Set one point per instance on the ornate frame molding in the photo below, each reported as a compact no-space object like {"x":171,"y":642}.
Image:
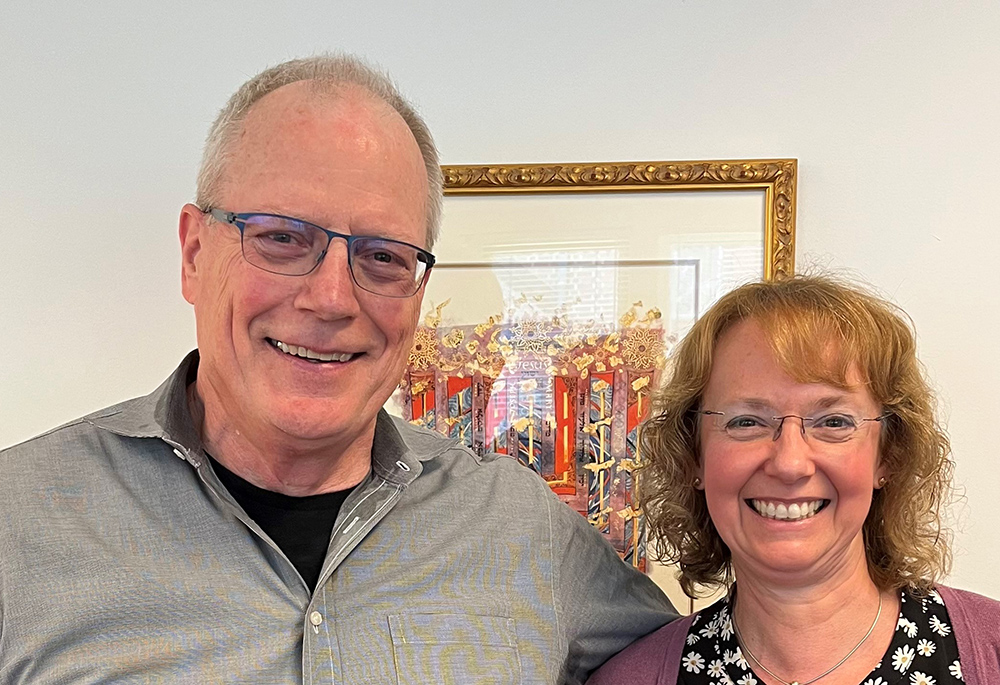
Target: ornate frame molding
{"x":776,"y":177}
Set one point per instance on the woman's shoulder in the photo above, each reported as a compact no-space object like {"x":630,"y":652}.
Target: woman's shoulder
{"x":966,"y":600}
{"x":975,"y":619}
{"x":971,"y":612}
{"x":642,"y":662}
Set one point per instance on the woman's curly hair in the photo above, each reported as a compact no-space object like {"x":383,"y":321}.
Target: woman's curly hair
{"x":904,"y":541}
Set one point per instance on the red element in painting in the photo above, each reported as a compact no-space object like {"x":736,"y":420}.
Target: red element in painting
{"x":565,"y":401}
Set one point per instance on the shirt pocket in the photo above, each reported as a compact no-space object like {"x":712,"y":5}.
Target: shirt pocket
{"x":467,"y":649}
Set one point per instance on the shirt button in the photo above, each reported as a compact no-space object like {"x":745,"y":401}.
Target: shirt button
{"x":316,"y":618}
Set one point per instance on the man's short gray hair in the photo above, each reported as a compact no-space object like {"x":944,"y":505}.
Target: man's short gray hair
{"x":326,"y":70}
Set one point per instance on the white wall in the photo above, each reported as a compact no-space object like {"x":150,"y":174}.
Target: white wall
{"x":892,"y":109}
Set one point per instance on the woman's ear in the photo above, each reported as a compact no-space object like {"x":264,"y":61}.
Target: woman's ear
{"x":699,"y":478}
{"x":880,"y":478}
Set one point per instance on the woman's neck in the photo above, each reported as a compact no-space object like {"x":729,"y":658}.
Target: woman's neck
{"x":800,"y":631}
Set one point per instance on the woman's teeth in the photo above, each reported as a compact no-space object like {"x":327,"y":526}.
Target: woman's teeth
{"x":791,"y":512}
{"x":306,"y":353}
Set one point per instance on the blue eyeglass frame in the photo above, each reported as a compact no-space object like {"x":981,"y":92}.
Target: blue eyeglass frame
{"x":239,"y":221}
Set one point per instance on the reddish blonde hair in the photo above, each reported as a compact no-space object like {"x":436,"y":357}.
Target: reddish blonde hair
{"x":904,"y":540}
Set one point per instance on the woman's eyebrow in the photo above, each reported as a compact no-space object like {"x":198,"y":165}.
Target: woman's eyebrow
{"x":760,"y":404}
{"x":831,"y":400}
{"x":752,"y":403}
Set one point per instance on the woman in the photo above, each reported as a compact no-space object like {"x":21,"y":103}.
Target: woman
{"x":795,"y":450}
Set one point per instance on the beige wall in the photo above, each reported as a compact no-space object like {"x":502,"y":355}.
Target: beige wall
{"x":891,"y":108}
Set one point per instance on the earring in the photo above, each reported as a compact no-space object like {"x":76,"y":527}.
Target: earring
{"x":697,"y":483}
{"x":882,"y":481}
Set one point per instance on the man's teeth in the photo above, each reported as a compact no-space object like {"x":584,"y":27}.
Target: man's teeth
{"x":306,"y":353}
{"x":791,"y":512}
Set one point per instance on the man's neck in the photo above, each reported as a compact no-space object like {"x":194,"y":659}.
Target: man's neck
{"x":278,"y":462}
{"x":800,"y":631}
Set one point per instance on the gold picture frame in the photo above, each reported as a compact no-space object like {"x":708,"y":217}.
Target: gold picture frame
{"x":535,"y":340}
{"x":777,"y":178}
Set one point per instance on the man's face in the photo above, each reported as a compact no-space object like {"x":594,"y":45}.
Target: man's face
{"x":347,"y":163}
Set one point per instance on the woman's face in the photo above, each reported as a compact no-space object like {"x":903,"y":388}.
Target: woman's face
{"x":790,"y":509}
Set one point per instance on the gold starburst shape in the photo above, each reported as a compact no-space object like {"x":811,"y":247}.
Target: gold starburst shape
{"x":424,"y":352}
{"x":641,"y":347}
{"x":530,"y":336}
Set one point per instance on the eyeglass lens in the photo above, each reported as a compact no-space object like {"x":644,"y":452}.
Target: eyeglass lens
{"x":830,"y":428}
{"x":286,"y":246}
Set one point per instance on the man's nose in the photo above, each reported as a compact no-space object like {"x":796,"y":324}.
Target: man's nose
{"x":792,"y":453}
{"x":329,"y":290}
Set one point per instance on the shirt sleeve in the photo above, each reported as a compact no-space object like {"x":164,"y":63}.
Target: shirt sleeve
{"x":602,"y":604}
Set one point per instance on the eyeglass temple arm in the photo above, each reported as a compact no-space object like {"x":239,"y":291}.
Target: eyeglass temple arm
{"x":219,"y":215}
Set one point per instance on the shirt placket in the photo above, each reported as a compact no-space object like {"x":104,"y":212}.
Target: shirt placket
{"x":361,"y":513}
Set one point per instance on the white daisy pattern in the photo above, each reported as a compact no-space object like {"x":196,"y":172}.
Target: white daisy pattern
{"x":726,"y":628}
{"x":923,"y":650}
{"x":907,"y":626}
{"x":693,"y":662}
{"x":926,"y":648}
{"x":956,"y":670}
{"x":711,"y":630}
{"x":902,"y":659}
{"x":939,"y":626}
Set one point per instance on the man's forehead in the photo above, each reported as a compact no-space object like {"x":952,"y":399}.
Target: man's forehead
{"x":329,"y":158}
{"x":305,"y":102}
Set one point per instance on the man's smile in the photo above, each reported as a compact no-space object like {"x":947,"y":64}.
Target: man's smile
{"x":311,"y":355}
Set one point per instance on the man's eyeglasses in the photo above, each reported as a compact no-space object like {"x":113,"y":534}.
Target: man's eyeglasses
{"x":831,"y":428}
{"x":293,"y":247}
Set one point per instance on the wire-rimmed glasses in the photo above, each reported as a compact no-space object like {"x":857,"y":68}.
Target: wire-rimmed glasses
{"x":833,"y":427}
{"x":293,"y":247}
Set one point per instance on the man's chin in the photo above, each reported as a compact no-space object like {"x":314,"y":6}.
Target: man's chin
{"x":323,"y":423}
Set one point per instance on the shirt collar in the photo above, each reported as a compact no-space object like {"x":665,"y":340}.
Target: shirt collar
{"x":161,"y":414}
{"x":398,"y":449}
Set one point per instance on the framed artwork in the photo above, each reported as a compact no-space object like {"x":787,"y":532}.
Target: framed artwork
{"x":558,"y":293}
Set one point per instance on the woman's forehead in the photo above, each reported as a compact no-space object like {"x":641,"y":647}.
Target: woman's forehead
{"x":753,"y":365}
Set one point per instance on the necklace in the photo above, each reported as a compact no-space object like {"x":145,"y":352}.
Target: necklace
{"x":743,"y":646}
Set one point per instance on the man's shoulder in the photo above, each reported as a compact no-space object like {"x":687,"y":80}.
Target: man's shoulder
{"x":431,"y":446}
{"x":64,"y":442}
{"x":451,"y":470}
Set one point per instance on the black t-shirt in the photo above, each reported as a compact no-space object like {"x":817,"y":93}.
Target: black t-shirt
{"x":300,"y":526}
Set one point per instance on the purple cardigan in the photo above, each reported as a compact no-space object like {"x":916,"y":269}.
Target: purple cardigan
{"x":656,"y":658}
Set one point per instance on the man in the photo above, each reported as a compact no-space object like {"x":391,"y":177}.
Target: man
{"x":258,"y":518}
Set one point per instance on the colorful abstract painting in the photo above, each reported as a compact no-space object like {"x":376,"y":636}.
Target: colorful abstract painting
{"x":564,"y":399}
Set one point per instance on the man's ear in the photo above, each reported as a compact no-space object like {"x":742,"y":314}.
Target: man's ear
{"x":191,"y":225}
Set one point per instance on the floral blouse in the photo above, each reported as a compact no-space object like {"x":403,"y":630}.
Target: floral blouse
{"x":923,"y":650}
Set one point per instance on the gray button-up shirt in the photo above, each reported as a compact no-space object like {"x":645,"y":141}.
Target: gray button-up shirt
{"x":124,"y":559}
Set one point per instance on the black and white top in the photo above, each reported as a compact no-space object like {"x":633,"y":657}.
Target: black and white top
{"x":923,"y":650}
